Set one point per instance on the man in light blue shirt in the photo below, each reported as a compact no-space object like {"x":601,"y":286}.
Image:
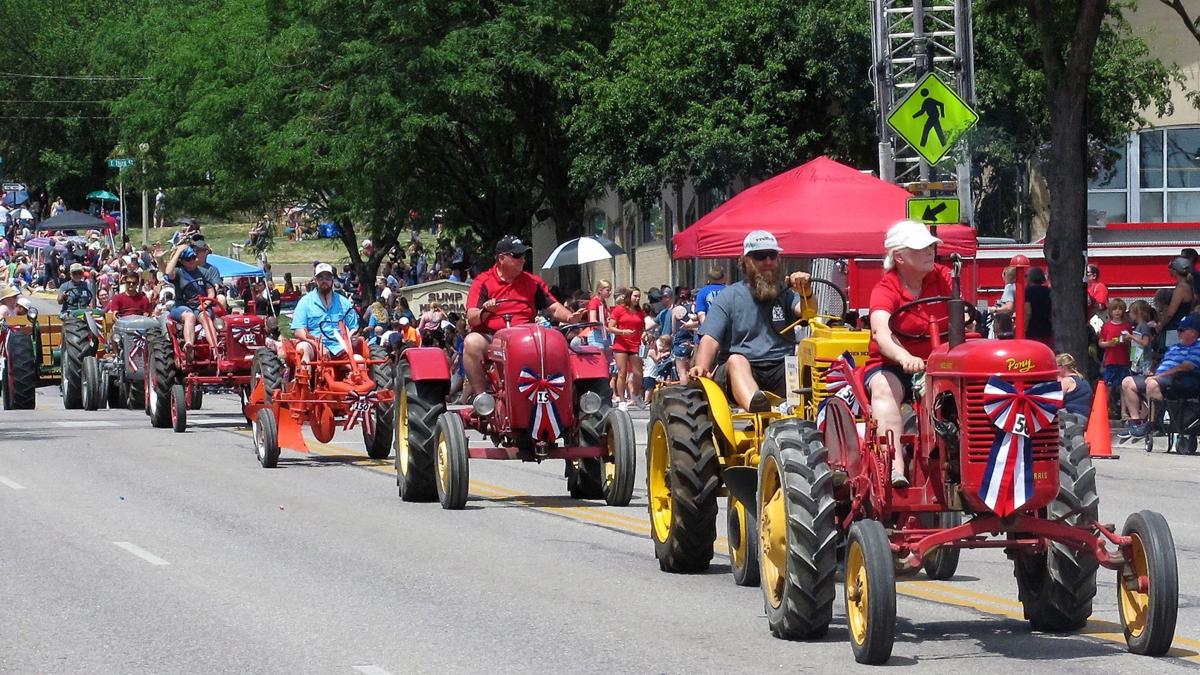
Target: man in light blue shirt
{"x":318,"y":312}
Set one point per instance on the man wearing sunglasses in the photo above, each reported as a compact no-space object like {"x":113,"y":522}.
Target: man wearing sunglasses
{"x":505,"y":295}
{"x":746,"y":326}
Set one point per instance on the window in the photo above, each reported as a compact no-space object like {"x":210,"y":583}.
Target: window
{"x":597,"y":224}
{"x":1108,"y":192}
{"x":652,"y":225}
{"x":1169,"y":175}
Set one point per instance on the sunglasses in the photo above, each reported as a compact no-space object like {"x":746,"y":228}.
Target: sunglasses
{"x":518,"y":256}
{"x":764,"y":255}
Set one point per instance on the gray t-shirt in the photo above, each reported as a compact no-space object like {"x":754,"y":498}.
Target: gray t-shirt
{"x":211,"y":275}
{"x":82,"y":299}
{"x":742,"y":325}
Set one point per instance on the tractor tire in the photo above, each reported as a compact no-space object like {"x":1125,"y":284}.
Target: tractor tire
{"x":1149,"y":618}
{"x":451,"y":462}
{"x":267,"y":367}
{"x":265,"y":432}
{"x":942,"y":563}
{"x":20,"y":372}
{"x":870,"y":592}
{"x":161,"y":372}
{"x":418,"y":407}
{"x":683,"y":480}
{"x":179,"y":408}
{"x":585,"y":479}
{"x":76,"y":344}
{"x":1056,"y":587}
{"x":743,"y":535}
{"x":379,"y":443}
{"x":619,"y":469}
{"x":90,"y":384}
{"x":115,"y":393}
{"x":195,"y":397}
{"x":135,"y":394}
{"x":798,"y":533}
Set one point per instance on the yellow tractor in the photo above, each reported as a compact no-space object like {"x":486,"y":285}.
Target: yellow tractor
{"x":700,"y":448}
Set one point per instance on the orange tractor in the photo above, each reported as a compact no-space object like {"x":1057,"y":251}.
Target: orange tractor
{"x":993,"y":463}
{"x":352,"y":388}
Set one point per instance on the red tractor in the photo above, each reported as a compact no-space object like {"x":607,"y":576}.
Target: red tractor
{"x":346,"y":390}
{"x":546,"y":400}
{"x":993,"y":463}
{"x":221,"y":360}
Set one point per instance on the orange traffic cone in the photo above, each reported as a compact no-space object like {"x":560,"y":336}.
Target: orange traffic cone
{"x":1099,"y":432}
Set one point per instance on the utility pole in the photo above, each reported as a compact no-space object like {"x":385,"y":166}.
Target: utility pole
{"x":910,"y":38}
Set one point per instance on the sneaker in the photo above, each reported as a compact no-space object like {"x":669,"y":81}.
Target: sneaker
{"x":899,"y":479}
{"x":1123,"y":434}
{"x":1137,"y":430}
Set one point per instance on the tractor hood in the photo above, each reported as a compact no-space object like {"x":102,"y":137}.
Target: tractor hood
{"x":537,"y":373}
{"x":994,"y":357}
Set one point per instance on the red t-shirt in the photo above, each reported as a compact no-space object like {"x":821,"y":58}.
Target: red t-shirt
{"x":889,"y":294}
{"x":1118,"y":354}
{"x":597,"y":305}
{"x":1097,"y":296}
{"x":628,"y":319}
{"x":122,"y":304}
{"x":525,"y":287}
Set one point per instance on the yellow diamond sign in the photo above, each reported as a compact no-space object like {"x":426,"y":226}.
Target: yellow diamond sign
{"x":932,"y":118}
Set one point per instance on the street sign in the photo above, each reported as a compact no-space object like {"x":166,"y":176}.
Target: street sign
{"x":13,"y":187}
{"x":120,"y":163}
{"x":934,"y":210}
{"x":932,"y":118}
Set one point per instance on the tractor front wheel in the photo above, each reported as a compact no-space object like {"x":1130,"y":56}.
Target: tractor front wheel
{"x":942,"y":563}
{"x":1056,"y":586}
{"x":743,"y":543}
{"x":90,"y":384}
{"x":179,"y":408}
{"x":379,"y":441}
{"x":265,"y":431}
{"x":418,"y":406}
{"x":682,"y":479}
{"x":161,"y":375}
{"x":797,"y":531}
{"x":1148,"y":585}
{"x":870,"y":592}
{"x":451,"y":461}
{"x":620,"y":465}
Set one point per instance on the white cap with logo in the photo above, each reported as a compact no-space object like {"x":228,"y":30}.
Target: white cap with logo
{"x":323,"y":267}
{"x":760,"y":240}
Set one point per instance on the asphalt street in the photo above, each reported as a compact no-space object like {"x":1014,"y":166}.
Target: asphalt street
{"x":131,"y":549}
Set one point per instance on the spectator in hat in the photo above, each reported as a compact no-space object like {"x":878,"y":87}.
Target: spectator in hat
{"x":194,"y":293}
{"x":1178,"y":373}
{"x":8,"y":301}
{"x":77,"y":292}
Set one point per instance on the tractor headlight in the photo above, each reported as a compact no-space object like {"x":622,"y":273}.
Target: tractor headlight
{"x":33,"y":313}
{"x":484,"y":405}
{"x":589,"y":403}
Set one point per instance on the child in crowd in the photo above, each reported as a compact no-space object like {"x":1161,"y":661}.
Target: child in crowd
{"x":1141,"y":341}
{"x":1115,"y":339}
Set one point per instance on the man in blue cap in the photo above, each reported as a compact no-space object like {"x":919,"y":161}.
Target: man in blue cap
{"x":193,"y":292}
{"x":1179,"y":372}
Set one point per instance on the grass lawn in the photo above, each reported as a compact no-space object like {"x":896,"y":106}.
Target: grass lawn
{"x":219,"y":237}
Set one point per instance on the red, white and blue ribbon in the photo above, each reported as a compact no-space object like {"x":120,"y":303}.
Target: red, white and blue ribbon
{"x":1017,"y":414}
{"x":837,"y":383}
{"x":543,"y":392}
{"x":137,"y":351}
{"x":362,"y":409}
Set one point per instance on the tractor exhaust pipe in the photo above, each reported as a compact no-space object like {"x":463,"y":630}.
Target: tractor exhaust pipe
{"x":956,"y":307}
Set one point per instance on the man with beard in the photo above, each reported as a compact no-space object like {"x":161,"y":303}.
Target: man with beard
{"x":746,"y":322}
{"x":317,"y":315}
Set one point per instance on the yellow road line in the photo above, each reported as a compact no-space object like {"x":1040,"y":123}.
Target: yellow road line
{"x":942,"y":593}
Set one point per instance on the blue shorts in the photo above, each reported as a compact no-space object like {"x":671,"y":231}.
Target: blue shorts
{"x":1113,"y":375}
{"x":178,"y":311}
{"x":895,"y":369}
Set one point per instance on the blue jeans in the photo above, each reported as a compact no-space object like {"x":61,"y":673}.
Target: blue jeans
{"x":1113,"y":375}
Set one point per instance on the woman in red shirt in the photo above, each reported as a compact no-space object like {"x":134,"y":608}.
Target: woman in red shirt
{"x":597,"y":310}
{"x":627,"y":322}
{"x":911,"y":274}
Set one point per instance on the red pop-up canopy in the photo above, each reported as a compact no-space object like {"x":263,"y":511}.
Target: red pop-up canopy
{"x":821,"y":209}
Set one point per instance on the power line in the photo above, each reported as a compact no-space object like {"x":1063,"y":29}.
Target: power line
{"x":58,"y":101}
{"x":57,"y":117}
{"x":101,"y":78}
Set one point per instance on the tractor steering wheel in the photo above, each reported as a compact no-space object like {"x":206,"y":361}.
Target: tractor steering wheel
{"x":71,"y":294}
{"x":972,"y":315}
{"x":831,"y":319}
{"x":569,"y":327}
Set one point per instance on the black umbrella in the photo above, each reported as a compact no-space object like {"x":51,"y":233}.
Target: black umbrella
{"x":72,"y":220}
{"x":186,"y":222}
{"x":582,"y":250}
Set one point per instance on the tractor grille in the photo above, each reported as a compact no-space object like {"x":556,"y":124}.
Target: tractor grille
{"x":978,"y":432}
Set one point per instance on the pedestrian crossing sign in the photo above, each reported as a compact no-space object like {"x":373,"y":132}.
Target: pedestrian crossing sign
{"x":932,"y":118}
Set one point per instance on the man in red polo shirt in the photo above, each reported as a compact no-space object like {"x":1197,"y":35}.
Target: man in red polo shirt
{"x":505,"y":295}
{"x":133,"y":302}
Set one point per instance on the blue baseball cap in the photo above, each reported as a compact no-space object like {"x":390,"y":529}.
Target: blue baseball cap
{"x":1189,"y":322}
{"x":189,"y":253}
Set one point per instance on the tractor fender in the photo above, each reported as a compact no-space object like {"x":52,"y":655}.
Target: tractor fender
{"x":589,"y":364}
{"x":718,"y":409}
{"x":428,"y":363}
{"x":742,"y":482}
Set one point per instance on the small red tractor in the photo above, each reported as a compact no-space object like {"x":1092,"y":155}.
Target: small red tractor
{"x":348,"y":389}
{"x":993,"y":463}
{"x":546,"y":400}
{"x":221,"y":360}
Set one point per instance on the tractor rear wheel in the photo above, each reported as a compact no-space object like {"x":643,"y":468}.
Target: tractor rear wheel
{"x":1149,"y":608}
{"x":265,"y":432}
{"x":418,"y":406}
{"x":268,"y":368}
{"x":797,"y":531}
{"x":942,"y":563}
{"x":379,"y":443}
{"x":179,"y":408}
{"x":743,"y":543}
{"x":453,"y":472}
{"x":1056,"y":587}
{"x":76,"y":344}
{"x":20,"y":372}
{"x":161,"y":372}
{"x":90,"y":384}
{"x":585,"y":478}
{"x":870,"y":592}
{"x":682,"y":477}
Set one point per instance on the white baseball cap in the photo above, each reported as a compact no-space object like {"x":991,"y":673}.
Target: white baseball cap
{"x":909,"y":234}
{"x":366,"y":243}
{"x":323,"y":267}
{"x":760,"y":240}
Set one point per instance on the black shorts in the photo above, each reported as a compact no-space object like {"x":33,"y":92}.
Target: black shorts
{"x":769,"y":375}
{"x":895,"y":369}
